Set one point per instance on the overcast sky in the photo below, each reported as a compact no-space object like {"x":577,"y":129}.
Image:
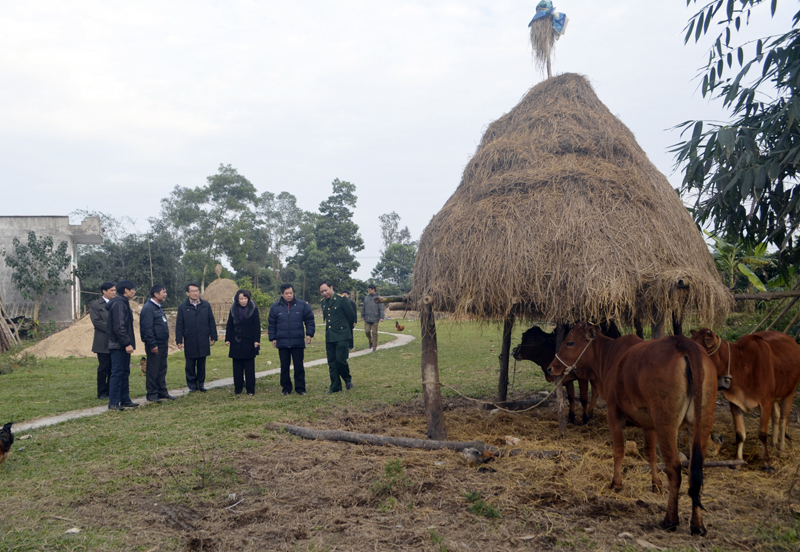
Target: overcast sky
{"x":107,"y":105}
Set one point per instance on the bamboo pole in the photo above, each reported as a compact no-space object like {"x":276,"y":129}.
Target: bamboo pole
{"x":784,"y":311}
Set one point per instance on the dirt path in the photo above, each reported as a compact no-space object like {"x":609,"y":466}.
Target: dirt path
{"x":399,"y":341}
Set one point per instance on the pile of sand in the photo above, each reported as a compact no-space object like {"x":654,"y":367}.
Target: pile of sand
{"x":220,"y":291}
{"x":76,"y":341}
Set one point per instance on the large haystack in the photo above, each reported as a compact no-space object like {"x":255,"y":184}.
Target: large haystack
{"x":561,"y":216}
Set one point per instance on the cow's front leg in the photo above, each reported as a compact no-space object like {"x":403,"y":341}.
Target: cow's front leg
{"x":739,"y":429}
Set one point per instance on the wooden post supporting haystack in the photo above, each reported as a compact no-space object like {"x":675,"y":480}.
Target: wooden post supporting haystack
{"x":505,"y":354}
{"x":562,"y":414}
{"x":434,"y":409}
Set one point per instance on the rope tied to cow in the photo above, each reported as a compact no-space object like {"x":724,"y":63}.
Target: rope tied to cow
{"x":719,"y":344}
{"x":575,"y":364}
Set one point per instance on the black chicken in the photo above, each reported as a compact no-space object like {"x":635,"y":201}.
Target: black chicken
{"x":6,"y":440}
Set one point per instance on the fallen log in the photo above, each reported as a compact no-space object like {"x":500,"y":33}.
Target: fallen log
{"x":523,"y":404}
{"x":378,"y":440}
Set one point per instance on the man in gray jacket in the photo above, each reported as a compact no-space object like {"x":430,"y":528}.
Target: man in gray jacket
{"x":99,"y":316}
{"x":372,"y":314}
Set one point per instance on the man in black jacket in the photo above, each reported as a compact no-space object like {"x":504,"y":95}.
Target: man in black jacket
{"x":195,"y":334}
{"x":121,"y":344}
{"x":155,"y":334}
{"x":287,"y":319}
{"x":99,"y":317}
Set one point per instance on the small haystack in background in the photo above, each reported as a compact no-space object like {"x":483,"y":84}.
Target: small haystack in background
{"x":220,"y":294}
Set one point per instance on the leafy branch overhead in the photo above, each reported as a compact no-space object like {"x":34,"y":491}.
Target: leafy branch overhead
{"x":742,"y":175}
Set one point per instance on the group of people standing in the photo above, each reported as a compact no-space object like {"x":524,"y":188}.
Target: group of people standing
{"x":114,"y":341}
{"x":290,"y":328}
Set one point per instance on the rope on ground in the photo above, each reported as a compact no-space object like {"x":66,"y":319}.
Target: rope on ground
{"x":537,"y":405}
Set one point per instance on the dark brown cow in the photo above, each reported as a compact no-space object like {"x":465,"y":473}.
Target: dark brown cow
{"x":539,"y":347}
{"x":660,"y":386}
{"x":764,"y":370}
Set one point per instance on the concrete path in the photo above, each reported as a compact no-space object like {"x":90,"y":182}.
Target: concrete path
{"x":399,"y":341}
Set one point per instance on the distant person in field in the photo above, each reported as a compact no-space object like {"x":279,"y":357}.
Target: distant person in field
{"x":121,"y":344}
{"x":338,"y":316}
{"x":291,"y":327}
{"x":154,"y":331}
{"x":243,"y":336}
{"x":346,"y":294}
{"x":99,"y":317}
{"x":195,"y":334}
{"x":372,"y":314}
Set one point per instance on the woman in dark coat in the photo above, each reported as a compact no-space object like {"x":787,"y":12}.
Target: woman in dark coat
{"x":243,"y":336}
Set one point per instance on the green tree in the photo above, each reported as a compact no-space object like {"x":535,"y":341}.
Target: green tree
{"x":213,"y":220}
{"x":38,"y":269}
{"x":130,"y":256}
{"x":396,"y":265}
{"x":275,"y":234}
{"x":743,"y":175}
{"x":328,"y":251}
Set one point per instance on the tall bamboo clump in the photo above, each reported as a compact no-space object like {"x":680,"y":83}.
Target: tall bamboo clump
{"x":561,"y":216}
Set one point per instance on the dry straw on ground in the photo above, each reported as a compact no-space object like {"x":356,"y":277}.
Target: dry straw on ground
{"x":560,"y":215}
{"x":293,"y":494}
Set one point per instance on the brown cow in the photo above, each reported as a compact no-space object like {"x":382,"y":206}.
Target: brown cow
{"x":764,"y":370}
{"x":660,"y":386}
{"x":539,"y":347}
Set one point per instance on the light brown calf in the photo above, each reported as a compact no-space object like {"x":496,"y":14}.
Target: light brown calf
{"x":764,"y":370}
{"x":660,"y":386}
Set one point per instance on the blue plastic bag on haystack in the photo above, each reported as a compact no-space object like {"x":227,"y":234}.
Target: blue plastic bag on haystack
{"x":544,"y":9}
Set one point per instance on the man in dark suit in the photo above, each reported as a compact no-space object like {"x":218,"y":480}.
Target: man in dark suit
{"x":154,"y":331}
{"x":121,"y":343}
{"x":99,"y":316}
{"x":195,"y":334}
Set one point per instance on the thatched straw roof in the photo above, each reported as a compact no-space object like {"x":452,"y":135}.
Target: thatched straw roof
{"x":561,"y":216}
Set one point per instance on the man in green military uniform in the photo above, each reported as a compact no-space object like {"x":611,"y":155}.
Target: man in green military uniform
{"x":337,"y":312}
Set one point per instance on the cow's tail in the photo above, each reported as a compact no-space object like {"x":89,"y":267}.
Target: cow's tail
{"x":695,"y":376}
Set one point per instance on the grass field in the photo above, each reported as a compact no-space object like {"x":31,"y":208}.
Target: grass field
{"x":169,"y":476}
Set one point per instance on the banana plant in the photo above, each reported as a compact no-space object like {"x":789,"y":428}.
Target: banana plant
{"x":730,"y":257}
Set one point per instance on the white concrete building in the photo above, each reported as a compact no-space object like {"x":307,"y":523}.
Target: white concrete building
{"x":64,"y":306}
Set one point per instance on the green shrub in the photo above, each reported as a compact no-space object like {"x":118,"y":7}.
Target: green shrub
{"x":479,"y":507}
{"x":15,"y":359}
